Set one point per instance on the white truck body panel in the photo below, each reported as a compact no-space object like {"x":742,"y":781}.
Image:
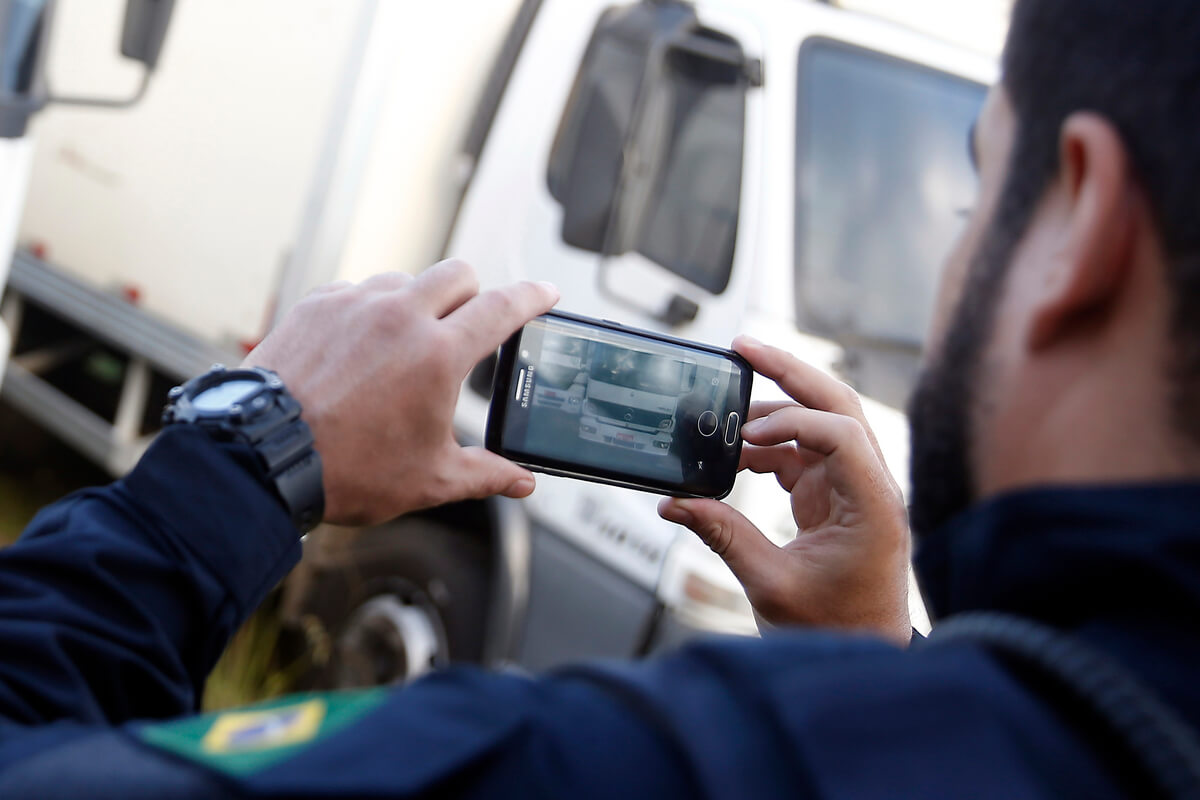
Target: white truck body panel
{"x":197,"y":196}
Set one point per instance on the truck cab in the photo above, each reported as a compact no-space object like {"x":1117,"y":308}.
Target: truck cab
{"x":785,"y":169}
{"x":788,"y":169}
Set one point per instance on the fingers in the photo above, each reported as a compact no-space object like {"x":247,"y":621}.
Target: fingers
{"x":484,"y":322}
{"x":761,"y":408}
{"x":386,"y":281}
{"x":330,"y":288}
{"x":820,"y":431}
{"x":805,"y":383}
{"x":480,"y":473}
{"x":784,"y":460}
{"x":752,"y":557}
{"x":445,"y":286}
{"x":842,"y":443}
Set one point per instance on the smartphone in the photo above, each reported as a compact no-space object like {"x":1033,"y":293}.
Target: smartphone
{"x":595,"y":400}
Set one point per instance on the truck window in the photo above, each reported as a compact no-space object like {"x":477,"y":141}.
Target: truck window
{"x":691,"y":226}
{"x":643,"y":372}
{"x":604,"y":108}
{"x":882,"y":175}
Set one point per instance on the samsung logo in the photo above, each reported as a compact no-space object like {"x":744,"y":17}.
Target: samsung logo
{"x":524,"y":386}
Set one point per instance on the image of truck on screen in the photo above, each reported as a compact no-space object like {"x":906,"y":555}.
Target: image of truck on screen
{"x":631,"y":397}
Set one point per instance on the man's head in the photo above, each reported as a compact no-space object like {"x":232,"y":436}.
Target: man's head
{"x":1066,"y":343}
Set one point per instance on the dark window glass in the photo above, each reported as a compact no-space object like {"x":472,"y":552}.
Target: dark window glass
{"x":882,"y":176}
{"x":691,"y":224}
{"x":615,"y":67}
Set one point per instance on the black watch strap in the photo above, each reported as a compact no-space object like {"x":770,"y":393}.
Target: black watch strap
{"x":286,"y":452}
{"x":269,"y":421}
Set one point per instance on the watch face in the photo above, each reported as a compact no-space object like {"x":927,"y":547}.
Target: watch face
{"x":223,"y":395}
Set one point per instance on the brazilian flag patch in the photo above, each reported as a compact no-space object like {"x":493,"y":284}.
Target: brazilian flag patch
{"x":254,"y":738}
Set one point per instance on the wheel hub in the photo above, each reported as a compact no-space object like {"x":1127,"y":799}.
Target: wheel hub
{"x":390,"y":639}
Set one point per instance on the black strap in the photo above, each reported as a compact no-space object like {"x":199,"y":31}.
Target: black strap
{"x":1160,"y":743}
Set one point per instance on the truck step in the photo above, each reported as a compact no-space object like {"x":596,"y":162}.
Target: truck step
{"x":114,"y":320}
{"x":150,"y":353}
{"x":87,"y":432}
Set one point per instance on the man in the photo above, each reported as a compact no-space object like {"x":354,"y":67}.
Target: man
{"x":1056,"y":475}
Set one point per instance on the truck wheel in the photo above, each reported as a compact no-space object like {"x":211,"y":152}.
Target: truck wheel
{"x":401,"y":599}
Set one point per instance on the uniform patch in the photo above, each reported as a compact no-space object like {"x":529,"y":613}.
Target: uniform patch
{"x":252,"y":739}
{"x":238,"y":731}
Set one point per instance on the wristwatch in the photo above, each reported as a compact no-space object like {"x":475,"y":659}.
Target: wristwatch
{"x":253,"y":406}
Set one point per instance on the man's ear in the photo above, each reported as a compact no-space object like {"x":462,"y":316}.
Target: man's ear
{"x":1099,"y":208}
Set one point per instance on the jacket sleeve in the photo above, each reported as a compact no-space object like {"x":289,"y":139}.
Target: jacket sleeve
{"x":116,"y":602}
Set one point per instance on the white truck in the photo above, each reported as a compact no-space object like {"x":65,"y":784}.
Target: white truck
{"x":24,"y":37}
{"x":785,"y":168}
{"x":631,"y":397}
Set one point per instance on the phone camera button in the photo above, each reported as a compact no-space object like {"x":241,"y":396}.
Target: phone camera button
{"x":707,"y":423}
{"x":731,"y":428}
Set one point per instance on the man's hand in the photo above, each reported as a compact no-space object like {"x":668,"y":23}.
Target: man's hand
{"x":848,"y":565}
{"x":378,"y":367}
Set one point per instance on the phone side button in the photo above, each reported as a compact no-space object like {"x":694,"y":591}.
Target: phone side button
{"x":731,"y":428}
{"x":707,"y":424}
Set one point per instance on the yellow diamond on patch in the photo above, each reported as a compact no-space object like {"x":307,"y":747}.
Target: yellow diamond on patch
{"x":241,"y":731}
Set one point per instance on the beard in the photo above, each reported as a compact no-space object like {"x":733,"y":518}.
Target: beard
{"x":942,"y":481}
{"x":941,"y":408}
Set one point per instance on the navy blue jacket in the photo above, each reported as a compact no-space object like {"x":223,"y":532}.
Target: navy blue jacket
{"x":116,"y":602}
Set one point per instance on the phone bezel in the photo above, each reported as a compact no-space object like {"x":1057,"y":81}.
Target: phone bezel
{"x":502,"y":382}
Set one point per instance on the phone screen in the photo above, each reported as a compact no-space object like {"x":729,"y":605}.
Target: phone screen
{"x":622,"y":406}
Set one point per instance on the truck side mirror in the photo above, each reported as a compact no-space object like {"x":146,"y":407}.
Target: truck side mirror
{"x":145,"y":30}
{"x":603,"y":116}
{"x":642,"y":62}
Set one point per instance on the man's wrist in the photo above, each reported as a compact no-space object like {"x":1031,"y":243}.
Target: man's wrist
{"x":253,"y":406}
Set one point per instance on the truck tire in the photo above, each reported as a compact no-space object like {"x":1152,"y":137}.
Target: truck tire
{"x":403,"y":598}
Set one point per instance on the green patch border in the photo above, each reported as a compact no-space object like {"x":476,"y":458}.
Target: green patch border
{"x":185,"y":737}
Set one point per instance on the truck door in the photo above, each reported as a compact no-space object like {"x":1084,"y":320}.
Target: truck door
{"x":654,"y":166}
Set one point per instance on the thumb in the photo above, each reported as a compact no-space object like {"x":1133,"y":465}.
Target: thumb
{"x":482,"y":473}
{"x":750,"y":555}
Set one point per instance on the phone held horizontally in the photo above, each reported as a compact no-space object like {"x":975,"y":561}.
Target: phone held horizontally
{"x":594,"y":400}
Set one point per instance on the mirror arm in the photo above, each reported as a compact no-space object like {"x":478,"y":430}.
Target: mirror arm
{"x":677,"y":311}
{"x":103,"y":102}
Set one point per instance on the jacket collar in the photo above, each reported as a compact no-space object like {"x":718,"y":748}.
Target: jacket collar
{"x":1070,"y":556}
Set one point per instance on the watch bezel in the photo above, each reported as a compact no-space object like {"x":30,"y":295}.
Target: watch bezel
{"x":247,"y":408}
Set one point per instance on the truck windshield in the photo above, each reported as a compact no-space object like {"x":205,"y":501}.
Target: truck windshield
{"x":882,"y":175}
{"x":642,"y":372}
